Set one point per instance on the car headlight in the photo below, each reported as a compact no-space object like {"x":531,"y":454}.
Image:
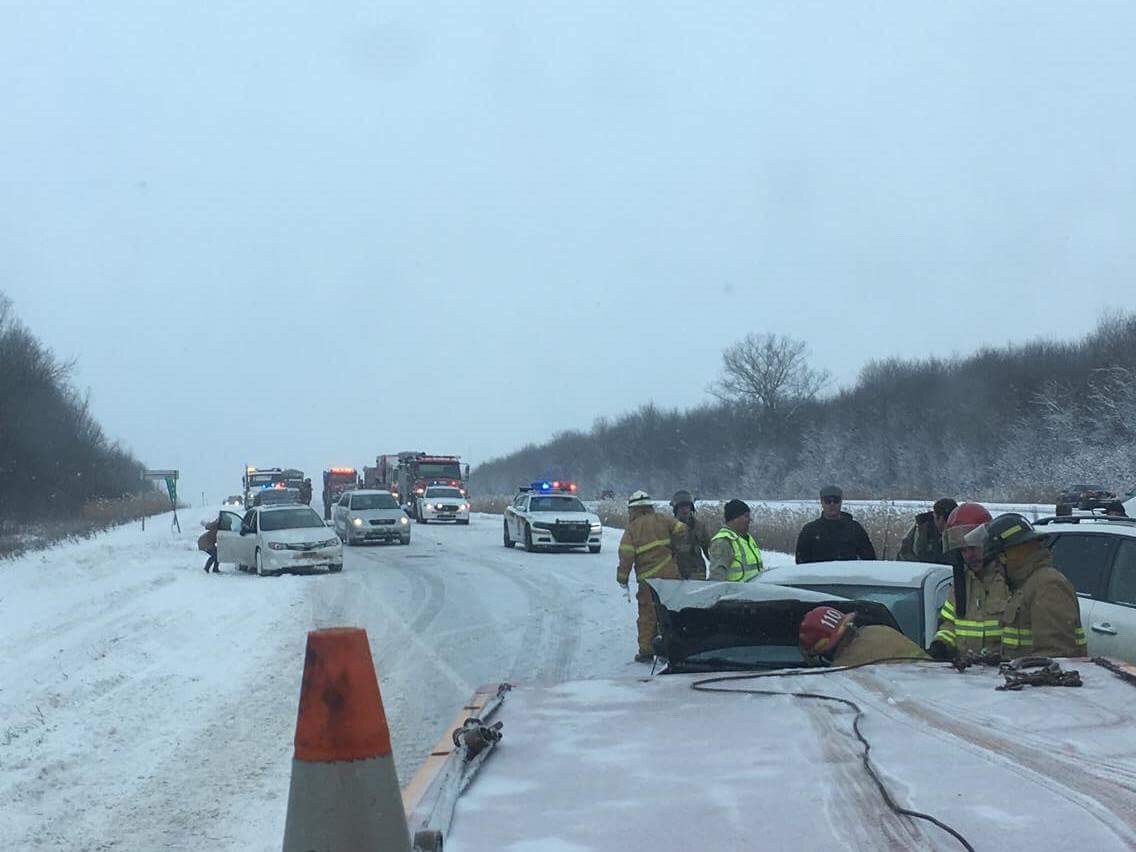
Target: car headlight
{"x":403,"y":520}
{"x":331,"y":542}
{"x":597,"y":527}
{"x":438,"y":507}
{"x":465,"y":507}
{"x":277,"y":545}
{"x":357,"y":522}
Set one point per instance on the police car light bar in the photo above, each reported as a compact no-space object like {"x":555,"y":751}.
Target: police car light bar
{"x":545,"y":486}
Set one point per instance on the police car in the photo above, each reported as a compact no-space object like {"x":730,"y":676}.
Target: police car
{"x":548,"y":515}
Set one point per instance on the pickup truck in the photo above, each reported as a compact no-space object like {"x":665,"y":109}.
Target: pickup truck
{"x":735,"y":745}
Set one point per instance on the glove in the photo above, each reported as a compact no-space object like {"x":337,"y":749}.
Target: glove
{"x":941,"y":651}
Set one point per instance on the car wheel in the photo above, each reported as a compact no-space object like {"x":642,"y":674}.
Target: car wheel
{"x":594,"y":548}
{"x":335,"y":568}
{"x":507,"y":541}
{"x":260,"y":572}
{"x":464,"y":523}
{"x":528,"y":539}
{"x":405,"y":540}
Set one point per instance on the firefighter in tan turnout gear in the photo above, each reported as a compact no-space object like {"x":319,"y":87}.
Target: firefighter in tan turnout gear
{"x":695,"y":546}
{"x":830,"y":634}
{"x":1042,"y":615}
{"x":970,"y":621}
{"x":648,"y":546}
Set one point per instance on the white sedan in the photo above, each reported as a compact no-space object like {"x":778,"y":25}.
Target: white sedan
{"x":277,"y":540}
{"x":443,"y":503}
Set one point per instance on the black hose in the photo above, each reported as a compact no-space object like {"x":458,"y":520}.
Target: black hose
{"x":704,"y":685}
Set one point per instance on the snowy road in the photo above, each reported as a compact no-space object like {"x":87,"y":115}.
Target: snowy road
{"x":147,"y":705}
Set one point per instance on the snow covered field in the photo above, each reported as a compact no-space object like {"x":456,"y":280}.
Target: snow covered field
{"x":147,"y":705}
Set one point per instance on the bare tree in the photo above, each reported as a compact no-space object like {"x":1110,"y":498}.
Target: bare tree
{"x":769,"y":372}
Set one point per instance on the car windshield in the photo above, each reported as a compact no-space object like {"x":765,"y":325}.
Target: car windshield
{"x":443,"y":492}
{"x":290,"y":519}
{"x":750,"y":657}
{"x":262,"y":478}
{"x":439,"y":470}
{"x":556,"y":504}
{"x":905,"y":603}
{"x":373,"y":501}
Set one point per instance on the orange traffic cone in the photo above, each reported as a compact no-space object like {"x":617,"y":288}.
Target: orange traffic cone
{"x":345,"y":793}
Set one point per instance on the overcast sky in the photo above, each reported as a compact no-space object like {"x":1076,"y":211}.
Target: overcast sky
{"x":304,"y":233}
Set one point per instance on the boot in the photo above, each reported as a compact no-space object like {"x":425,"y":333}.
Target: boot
{"x":644,"y":658}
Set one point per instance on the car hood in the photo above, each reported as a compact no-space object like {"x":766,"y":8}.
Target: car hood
{"x":696,"y":617}
{"x":653,"y":764}
{"x":376,"y":514}
{"x":298,"y":536}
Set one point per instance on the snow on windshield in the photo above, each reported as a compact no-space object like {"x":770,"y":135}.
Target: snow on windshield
{"x":290,"y":519}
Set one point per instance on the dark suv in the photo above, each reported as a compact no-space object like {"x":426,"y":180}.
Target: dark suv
{"x":1085,"y":498}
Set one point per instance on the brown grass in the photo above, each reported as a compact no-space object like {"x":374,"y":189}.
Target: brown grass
{"x":775,"y":528}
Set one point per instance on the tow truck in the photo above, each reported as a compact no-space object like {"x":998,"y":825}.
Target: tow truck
{"x":335,"y":482}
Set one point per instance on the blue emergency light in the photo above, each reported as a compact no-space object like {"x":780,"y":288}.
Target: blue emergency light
{"x":545,"y":485}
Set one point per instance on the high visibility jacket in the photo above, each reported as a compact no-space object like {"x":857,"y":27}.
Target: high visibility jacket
{"x":981,"y":627}
{"x":648,"y":545}
{"x":744,"y":556}
{"x":1042,"y":615}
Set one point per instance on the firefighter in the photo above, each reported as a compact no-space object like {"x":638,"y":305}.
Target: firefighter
{"x":830,"y":634}
{"x":1042,"y":616}
{"x":306,"y":492}
{"x":924,"y":541}
{"x":695,"y":546}
{"x":648,"y":545}
{"x":734,"y":554}
{"x":970,"y":619}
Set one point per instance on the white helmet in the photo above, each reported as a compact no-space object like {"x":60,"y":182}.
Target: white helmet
{"x":639,"y":498}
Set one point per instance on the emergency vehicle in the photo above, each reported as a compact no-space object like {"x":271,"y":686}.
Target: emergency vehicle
{"x":335,"y":482}
{"x":408,"y":474}
{"x":548,"y":515}
{"x":258,"y":478}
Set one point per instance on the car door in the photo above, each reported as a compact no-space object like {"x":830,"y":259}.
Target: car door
{"x":518,"y":526}
{"x":339,"y":513}
{"x":1111,"y":624}
{"x":246,"y":543}
{"x":1084,"y":558}
{"x":228,"y":537}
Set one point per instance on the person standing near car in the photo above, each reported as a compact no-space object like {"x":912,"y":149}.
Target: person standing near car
{"x":207,"y":542}
{"x":648,"y":546}
{"x":695,"y":545}
{"x":970,"y":620}
{"x":835,"y":535}
{"x":734,"y":554}
{"x":306,"y":492}
{"x":1042,"y":616}
{"x":924,"y":541}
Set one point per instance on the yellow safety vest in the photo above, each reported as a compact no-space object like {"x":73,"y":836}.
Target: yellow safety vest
{"x":746,"y":563}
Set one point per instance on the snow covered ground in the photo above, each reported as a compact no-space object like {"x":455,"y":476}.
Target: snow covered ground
{"x":147,"y":705}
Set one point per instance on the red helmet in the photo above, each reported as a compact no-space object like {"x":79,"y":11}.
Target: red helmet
{"x":821,"y":629}
{"x":961,"y":521}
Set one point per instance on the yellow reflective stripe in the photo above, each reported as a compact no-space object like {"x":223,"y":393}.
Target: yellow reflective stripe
{"x":948,"y":607}
{"x":643,"y":548}
{"x":946,"y":636}
{"x":627,"y":548}
{"x":647,"y":575}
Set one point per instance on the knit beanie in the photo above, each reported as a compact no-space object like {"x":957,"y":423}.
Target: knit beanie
{"x":735,"y":509}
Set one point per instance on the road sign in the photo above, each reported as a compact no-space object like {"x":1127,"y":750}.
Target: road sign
{"x":159,"y":474}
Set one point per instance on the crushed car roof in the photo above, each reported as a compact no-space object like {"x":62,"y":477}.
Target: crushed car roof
{"x":864,"y":572}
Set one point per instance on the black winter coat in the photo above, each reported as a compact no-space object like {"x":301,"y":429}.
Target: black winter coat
{"x":823,"y":540}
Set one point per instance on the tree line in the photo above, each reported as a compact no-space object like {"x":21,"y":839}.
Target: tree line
{"x":54,"y":457}
{"x":1018,"y":422}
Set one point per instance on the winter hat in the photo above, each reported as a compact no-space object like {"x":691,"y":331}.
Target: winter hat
{"x":735,"y":509}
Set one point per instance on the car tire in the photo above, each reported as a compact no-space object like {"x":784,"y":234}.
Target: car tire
{"x":594,"y":548}
{"x":529,"y":548}
{"x":335,"y":567}
{"x":508,"y":542}
{"x":404,"y":540}
{"x":464,"y":523}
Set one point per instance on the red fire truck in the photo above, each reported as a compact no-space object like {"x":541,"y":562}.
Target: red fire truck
{"x":407,"y":474}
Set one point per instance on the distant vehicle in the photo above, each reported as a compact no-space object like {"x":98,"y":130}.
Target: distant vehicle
{"x":1085,"y":498}
{"x":1098,"y":555}
{"x":442,"y":503}
{"x":408,"y":474}
{"x":779,"y":745}
{"x":234,"y":500}
{"x":913,"y":592}
{"x":335,"y":482}
{"x":258,"y":478}
{"x":362,"y":516}
{"x":277,"y":496}
{"x":549,"y":515}
{"x":278,"y":539}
